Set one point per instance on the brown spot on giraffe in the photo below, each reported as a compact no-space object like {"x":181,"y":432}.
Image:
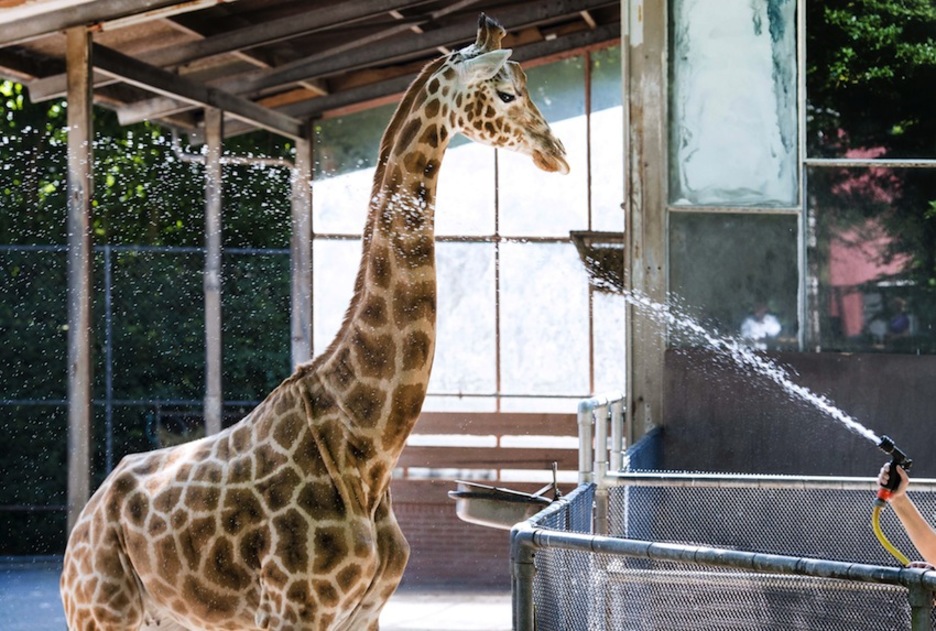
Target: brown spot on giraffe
{"x":365,"y":402}
{"x":321,"y":500}
{"x":374,"y":313}
{"x":417,"y":347}
{"x":242,"y":509}
{"x":278,"y":490}
{"x":293,"y":546}
{"x":374,"y":353}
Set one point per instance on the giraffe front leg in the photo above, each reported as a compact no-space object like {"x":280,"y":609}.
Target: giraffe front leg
{"x":392,"y":554}
{"x":99,"y":588}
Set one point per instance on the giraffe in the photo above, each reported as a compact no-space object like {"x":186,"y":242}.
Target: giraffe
{"x":284,"y":519}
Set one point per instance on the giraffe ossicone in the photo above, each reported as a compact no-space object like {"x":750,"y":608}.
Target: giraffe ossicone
{"x":284,"y":520}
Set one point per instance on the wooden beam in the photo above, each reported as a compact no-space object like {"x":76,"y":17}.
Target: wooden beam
{"x":44,"y":22}
{"x":644,"y":69}
{"x":262,"y":34}
{"x":316,"y":107}
{"x":80,"y":136}
{"x":214,"y":133}
{"x":300,"y":254}
{"x":462,"y":32}
{"x":157,"y":80}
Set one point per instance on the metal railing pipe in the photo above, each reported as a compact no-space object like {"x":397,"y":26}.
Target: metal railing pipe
{"x":522,"y":572}
{"x":737,"y":559}
{"x":752,"y":481}
{"x":617,"y":433}
{"x":586,"y":410}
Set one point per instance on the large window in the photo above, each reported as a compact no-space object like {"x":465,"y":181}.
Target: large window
{"x":519,"y":325}
{"x":804,"y":185}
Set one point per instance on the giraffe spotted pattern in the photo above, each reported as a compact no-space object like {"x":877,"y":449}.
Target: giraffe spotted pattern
{"x":284,"y":520}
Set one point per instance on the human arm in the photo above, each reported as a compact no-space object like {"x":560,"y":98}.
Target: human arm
{"x":921,"y":533}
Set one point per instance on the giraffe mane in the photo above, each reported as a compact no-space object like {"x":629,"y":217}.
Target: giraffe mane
{"x":400,"y":115}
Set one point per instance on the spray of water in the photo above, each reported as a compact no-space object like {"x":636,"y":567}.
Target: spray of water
{"x":745,"y":357}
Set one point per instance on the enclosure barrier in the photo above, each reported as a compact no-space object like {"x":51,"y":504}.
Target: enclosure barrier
{"x":672,"y":550}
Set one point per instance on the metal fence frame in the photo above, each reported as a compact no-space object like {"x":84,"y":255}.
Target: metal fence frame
{"x":604,"y":463}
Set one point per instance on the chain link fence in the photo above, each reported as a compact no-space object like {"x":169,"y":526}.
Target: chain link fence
{"x":719,"y":552}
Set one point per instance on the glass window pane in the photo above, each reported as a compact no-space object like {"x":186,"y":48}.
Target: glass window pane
{"x":465,"y":361}
{"x":465,"y":196}
{"x":535,"y":203}
{"x":609,"y":339}
{"x":345,"y":153}
{"x":335,"y":264}
{"x":737,"y":274}
{"x":607,"y":140}
{"x":869,"y":79}
{"x":544,"y":319}
{"x":874,"y":258}
{"x":733,"y":103}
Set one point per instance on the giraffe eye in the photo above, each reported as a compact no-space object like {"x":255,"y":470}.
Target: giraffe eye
{"x":505,"y":96}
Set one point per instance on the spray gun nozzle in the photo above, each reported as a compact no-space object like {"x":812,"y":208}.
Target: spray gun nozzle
{"x":898,"y":457}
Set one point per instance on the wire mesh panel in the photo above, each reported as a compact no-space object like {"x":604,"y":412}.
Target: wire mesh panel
{"x":577,"y":588}
{"x":819,"y":522}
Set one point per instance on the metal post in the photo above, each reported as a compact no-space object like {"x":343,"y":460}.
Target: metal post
{"x":78,"y":61}
{"x":602,"y":415}
{"x":214,"y":133}
{"x":585,"y":411}
{"x":522,"y":571}
{"x":108,"y":363}
{"x":617,"y":433}
{"x":301,"y":254}
{"x":921,"y":608}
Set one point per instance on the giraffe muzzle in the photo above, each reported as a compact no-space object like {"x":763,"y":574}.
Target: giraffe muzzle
{"x":552,"y":160}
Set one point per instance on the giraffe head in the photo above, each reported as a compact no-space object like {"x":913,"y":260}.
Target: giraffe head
{"x":490,"y":103}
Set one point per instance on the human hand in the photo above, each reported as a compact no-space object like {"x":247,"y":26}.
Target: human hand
{"x":884,"y":478}
{"x":921,"y":565}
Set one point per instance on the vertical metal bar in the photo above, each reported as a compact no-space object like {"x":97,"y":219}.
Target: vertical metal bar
{"x":214,"y":133}
{"x":585,"y":411}
{"x":807,"y":300}
{"x":497,"y":284}
{"x":921,"y":608}
{"x":108,"y":363}
{"x":78,"y":61}
{"x":522,"y":572}
{"x":617,"y":434}
{"x":301,"y":254}
{"x":601,"y":415}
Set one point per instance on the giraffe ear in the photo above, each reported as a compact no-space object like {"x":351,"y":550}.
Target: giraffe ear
{"x":484,"y":66}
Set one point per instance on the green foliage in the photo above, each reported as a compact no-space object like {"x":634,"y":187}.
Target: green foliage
{"x":144,"y":194}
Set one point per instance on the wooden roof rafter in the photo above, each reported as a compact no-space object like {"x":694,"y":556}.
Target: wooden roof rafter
{"x":270,"y":63}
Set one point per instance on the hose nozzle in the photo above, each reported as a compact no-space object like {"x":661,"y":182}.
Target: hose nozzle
{"x":898,"y":459}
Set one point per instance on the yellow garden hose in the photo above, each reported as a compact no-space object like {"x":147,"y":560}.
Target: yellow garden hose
{"x":876,"y":527}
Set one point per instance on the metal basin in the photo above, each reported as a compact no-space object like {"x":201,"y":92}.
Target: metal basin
{"x":495,"y":507}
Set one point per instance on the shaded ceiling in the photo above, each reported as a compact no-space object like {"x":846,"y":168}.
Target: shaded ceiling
{"x":270,"y":64}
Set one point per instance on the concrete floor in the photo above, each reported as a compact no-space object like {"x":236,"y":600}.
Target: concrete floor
{"x":29,"y":601}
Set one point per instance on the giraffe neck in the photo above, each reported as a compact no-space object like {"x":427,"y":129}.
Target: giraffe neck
{"x":378,"y":366}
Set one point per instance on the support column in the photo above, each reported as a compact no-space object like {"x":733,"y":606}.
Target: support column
{"x":646,"y":222}
{"x":214,"y":133}
{"x":78,"y":61}
{"x":301,"y":254}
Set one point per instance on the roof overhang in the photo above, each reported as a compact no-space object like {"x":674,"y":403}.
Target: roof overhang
{"x":270,"y":64}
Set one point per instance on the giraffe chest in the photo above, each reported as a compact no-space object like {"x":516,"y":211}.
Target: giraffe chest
{"x":293,"y":568}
